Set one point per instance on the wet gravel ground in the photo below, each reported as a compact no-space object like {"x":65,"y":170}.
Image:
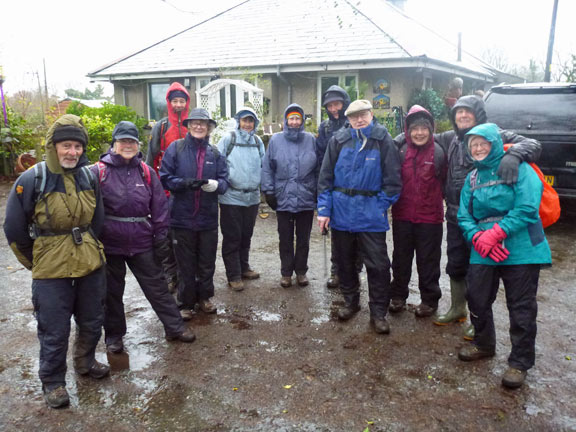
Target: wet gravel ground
{"x":275,"y":359}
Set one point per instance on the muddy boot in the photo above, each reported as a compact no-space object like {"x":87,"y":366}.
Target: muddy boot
{"x":56,"y":397}
{"x":333,"y":282}
{"x":457,"y":311}
{"x":469,"y":333}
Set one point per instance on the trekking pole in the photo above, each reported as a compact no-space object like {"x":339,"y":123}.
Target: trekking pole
{"x":324,"y":236}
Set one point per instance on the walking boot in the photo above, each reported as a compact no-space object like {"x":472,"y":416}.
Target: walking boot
{"x":333,"y":282}
{"x":514,"y":378}
{"x":97,"y":370}
{"x":57,"y":397}
{"x":302,"y":280}
{"x":250,"y":274}
{"x":286,"y":281}
{"x":423,"y":310}
{"x":236,"y":285}
{"x":207,"y":306}
{"x":380,"y":325}
{"x":457,"y":311}
{"x":347,"y":311}
{"x":397,"y":305}
{"x":471,"y":352}
{"x":469,"y":333}
{"x":186,"y":314}
{"x":186,"y":336}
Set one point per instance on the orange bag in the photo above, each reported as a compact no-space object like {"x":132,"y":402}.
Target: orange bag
{"x":550,"y":202}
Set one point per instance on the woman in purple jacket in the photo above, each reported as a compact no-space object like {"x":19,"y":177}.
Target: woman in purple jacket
{"x":418,"y":215}
{"x":135,"y":233}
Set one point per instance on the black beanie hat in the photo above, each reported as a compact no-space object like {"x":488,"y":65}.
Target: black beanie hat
{"x":72,"y":133}
{"x":177,"y":93}
{"x":420,"y":121}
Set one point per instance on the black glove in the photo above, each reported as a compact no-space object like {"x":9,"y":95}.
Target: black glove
{"x":508,"y":169}
{"x":271,"y":201}
{"x":162,"y":249}
{"x":194,"y":184}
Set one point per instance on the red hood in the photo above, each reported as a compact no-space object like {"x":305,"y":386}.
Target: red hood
{"x":173,"y":116}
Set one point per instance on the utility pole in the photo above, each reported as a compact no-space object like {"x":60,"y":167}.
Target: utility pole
{"x":45,"y":83}
{"x":548,"y":69}
{"x":41,"y":98}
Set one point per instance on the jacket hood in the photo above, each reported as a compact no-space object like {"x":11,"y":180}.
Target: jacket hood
{"x":293,"y":134}
{"x":242,"y":113}
{"x":173,"y":117}
{"x":490,"y":132}
{"x":474,"y":104}
{"x":51,"y":156}
{"x":332,"y":94}
{"x":415,"y":112}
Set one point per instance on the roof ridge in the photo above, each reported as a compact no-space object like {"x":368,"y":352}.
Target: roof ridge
{"x":121,"y":59}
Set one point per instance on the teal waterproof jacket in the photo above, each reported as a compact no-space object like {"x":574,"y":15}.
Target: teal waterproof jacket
{"x":486,"y":200}
{"x":244,"y":162}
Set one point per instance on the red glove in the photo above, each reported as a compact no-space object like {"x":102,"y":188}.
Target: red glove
{"x":499,"y":253}
{"x":488,"y":239}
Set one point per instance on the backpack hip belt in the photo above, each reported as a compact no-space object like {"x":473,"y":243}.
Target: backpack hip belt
{"x":244,"y":190}
{"x":75,"y":232}
{"x":127,"y":219}
{"x":353,"y":192}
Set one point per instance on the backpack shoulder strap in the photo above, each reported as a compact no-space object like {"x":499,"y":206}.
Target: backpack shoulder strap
{"x":146,"y":173}
{"x":439,"y":159}
{"x":231,"y":144}
{"x":39,"y":179}
{"x":101,"y":171}
{"x":402,"y":152}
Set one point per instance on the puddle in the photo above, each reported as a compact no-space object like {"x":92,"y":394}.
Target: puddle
{"x":267,"y":316}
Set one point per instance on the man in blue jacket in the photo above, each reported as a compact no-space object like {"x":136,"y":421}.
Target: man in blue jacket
{"x":359,"y":181}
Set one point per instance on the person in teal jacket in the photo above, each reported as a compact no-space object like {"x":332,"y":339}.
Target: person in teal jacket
{"x":503,"y":225}
{"x":244,"y":151}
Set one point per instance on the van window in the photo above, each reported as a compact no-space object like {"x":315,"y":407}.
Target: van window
{"x":535,"y":111}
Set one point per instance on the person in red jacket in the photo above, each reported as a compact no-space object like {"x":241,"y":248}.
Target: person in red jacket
{"x":164,"y":133}
{"x":418,"y":215}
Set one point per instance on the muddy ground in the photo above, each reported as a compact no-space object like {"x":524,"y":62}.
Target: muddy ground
{"x":275,"y":359}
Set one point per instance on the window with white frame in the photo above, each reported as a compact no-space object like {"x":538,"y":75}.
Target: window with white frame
{"x":157,"y":100}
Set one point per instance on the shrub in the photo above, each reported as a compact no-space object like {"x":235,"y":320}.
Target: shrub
{"x":100,"y":123}
{"x":430,"y":100}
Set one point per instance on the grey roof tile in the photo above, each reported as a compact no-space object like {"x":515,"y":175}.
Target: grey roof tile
{"x":278,"y":32}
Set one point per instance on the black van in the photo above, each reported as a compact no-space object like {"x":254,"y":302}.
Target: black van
{"x":546,"y":112}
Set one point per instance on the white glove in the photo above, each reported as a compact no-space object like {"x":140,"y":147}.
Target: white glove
{"x":211,"y":186}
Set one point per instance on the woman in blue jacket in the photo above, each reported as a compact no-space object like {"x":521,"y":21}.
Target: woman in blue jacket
{"x":195,"y":173}
{"x":289,"y":179}
{"x":244,"y":151}
{"x":503,"y":225}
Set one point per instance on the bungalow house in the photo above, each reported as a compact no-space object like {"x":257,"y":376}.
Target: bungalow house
{"x":293,"y":51}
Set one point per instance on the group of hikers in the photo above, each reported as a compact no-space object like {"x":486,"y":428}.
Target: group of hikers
{"x":76,"y":226}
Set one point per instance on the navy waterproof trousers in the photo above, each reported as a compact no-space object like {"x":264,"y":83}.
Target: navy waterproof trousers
{"x":55,"y":302}
{"x":372,"y":247}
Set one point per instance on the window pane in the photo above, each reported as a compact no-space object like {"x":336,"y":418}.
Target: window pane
{"x":232,"y":100}
{"x":327,"y":82}
{"x":157,"y":100}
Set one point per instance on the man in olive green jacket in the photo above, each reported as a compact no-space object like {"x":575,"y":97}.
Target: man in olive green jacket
{"x":53,"y":217}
